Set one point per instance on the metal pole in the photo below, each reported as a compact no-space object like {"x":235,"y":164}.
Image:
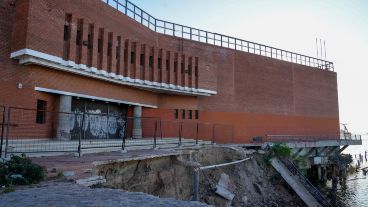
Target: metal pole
{"x":213,"y":134}
{"x":126,"y":7}
{"x":2,"y":133}
{"x":196,"y":184}
{"x":124,"y":137}
{"x":7,"y":133}
{"x":154,"y":136}
{"x":197,"y":133}
{"x":80,"y":136}
{"x":180,"y":128}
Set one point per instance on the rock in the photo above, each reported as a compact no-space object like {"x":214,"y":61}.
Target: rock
{"x":69,"y":173}
{"x":245,"y":199}
{"x":94,"y":180}
{"x":222,"y":188}
{"x":223,"y":192}
{"x":16,"y":176}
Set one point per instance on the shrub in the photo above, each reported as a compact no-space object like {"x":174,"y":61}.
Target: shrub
{"x":281,"y":150}
{"x":20,"y":170}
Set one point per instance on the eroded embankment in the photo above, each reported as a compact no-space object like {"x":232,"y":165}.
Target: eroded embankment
{"x":253,"y":182}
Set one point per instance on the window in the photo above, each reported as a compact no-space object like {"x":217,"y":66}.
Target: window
{"x":132,"y":57}
{"x":183,"y":114}
{"x":190,"y":115}
{"x":41,"y":112}
{"x":142,"y":60}
{"x":176,"y":113}
{"x":150,"y":61}
{"x":196,"y":114}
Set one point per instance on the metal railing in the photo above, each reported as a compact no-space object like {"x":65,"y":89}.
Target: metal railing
{"x":306,"y":183}
{"x":33,"y":131}
{"x":311,"y":138}
{"x":190,"y":33}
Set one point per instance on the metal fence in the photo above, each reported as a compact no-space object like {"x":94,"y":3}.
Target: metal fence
{"x":190,"y":33}
{"x":311,"y":138}
{"x":32,"y":131}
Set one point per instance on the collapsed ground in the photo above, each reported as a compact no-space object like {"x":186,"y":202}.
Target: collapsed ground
{"x":252,"y":183}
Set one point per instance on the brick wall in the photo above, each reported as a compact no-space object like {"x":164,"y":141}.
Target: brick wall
{"x":256,"y":94}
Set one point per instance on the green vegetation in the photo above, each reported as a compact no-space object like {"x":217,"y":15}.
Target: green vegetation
{"x":277,"y":150}
{"x":19,"y":170}
{"x":281,"y":150}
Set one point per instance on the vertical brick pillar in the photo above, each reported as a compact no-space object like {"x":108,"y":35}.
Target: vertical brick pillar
{"x":127,"y":66}
{"x":146,"y":69}
{"x":163,"y":67}
{"x":137,"y":62}
{"x":155,"y":65}
{"x":132,"y":64}
{"x":120,"y":55}
{"x":94,"y":47}
{"x":179,"y":72}
{"x":196,"y":72}
{"x":104,"y":52}
{"x":171,"y":69}
{"x":73,"y":38}
{"x":113,"y":71}
{"x":185,"y":71}
{"x":84,"y":51}
{"x":192,"y":78}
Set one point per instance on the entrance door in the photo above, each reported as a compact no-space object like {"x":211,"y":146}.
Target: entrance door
{"x":102,"y":120}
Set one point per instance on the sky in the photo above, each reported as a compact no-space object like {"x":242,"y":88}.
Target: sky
{"x":291,"y":25}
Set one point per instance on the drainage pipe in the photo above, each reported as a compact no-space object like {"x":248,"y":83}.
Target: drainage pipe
{"x":198,"y":169}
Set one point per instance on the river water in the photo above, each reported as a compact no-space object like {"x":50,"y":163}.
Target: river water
{"x":355,"y":193}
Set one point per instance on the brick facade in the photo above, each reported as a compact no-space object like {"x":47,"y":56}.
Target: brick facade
{"x":257,"y":95}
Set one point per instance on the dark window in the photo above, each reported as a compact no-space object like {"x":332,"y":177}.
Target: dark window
{"x":196,"y":114}
{"x":183,"y":114}
{"x":66,"y":32}
{"x":150,"y":62}
{"x":132,"y":57}
{"x":176,"y":66}
{"x":190,"y":114}
{"x":41,"y":112}
{"x":159,"y":63}
{"x":142,"y":59}
{"x":176,"y":114}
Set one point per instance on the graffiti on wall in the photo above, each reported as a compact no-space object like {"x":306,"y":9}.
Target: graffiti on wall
{"x":97,"y":124}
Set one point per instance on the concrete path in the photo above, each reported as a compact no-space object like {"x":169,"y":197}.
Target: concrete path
{"x":72,"y":195}
{"x":294,"y":183}
{"x":82,"y":167}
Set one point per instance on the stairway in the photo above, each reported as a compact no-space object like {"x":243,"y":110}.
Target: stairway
{"x":311,"y":196}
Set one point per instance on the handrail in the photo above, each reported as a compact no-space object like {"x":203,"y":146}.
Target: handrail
{"x":307,"y":184}
{"x":194,"y":34}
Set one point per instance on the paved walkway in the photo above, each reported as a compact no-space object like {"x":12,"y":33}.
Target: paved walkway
{"x":83,"y":166}
{"x":72,"y":195}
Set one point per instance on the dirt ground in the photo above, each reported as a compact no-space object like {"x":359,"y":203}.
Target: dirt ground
{"x":253,"y":182}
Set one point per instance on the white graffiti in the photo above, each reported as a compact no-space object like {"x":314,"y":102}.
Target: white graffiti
{"x":99,"y":125}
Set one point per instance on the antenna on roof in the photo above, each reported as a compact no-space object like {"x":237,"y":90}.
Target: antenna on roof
{"x":324,"y":43}
{"x":320,"y":44}
{"x":317,"y":47}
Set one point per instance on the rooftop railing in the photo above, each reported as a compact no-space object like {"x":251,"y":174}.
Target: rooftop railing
{"x":190,"y":33}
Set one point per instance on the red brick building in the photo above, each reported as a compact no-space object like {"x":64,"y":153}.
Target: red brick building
{"x":62,"y":55}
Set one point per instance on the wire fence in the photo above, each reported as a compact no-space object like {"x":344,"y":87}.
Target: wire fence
{"x":190,"y":33}
{"x":33,"y":131}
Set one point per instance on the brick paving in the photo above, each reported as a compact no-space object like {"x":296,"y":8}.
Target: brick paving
{"x":83,"y":166}
{"x":73,"y":195}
